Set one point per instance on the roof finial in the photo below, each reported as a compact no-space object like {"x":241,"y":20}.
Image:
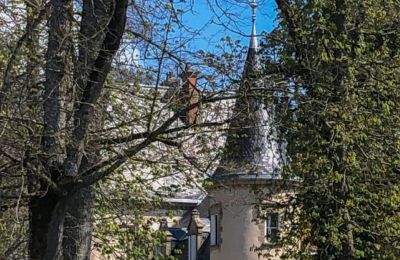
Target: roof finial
{"x":253,"y":40}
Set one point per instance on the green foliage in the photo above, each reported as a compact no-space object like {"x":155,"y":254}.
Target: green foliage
{"x":341,"y":62}
{"x":13,"y":231}
{"x":121,"y":229}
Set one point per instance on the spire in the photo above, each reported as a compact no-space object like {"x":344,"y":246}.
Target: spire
{"x":251,"y":149}
{"x":251,"y":60}
{"x":253,"y":39}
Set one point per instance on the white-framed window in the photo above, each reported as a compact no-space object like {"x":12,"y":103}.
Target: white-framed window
{"x":272,"y":227}
{"x":214,"y":230}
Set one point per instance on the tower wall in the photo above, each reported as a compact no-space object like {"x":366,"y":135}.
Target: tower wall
{"x":241,"y":231}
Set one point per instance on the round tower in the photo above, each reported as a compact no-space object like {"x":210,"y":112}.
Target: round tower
{"x":247,"y":185}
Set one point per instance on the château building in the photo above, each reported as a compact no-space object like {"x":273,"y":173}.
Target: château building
{"x":237,"y":216}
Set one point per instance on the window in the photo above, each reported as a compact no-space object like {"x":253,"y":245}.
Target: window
{"x":272,"y":227}
{"x":214,"y":230}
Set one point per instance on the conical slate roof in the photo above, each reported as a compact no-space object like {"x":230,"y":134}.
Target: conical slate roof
{"x":252,"y":148}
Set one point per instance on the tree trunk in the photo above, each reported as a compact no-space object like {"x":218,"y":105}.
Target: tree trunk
{"x":79,"y":217}
{"x":348,"y":247}
{"x":61,"y":226}
{"x":40,"y":214}
{"x":78,"y":225}
{"x":55,"y":231}
{"x":46,"y":218}
{"x":57,"y":55}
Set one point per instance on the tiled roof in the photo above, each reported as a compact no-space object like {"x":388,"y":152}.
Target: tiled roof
{"x":252,"y":145}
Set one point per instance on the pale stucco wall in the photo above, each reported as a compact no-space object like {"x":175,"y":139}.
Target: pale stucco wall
{"x":241,"y":230}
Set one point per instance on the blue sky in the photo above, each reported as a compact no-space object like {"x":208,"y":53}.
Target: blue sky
{"x":204,"y":24}
{"x":207,"y":17}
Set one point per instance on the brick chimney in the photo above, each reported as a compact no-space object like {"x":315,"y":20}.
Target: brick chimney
{"x":190,"y":94}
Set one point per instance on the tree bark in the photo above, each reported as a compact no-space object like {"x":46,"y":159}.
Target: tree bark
{"x":348,"y":249}
{"x":61,"y":224}
{"x":41,"y":210}
{"x":58,"y":51}
{"x":94,"y":85}
{"x":46,"y":211}
{"x":77,"y":237}
{"x":55,"y":231}
{"x":79,"y":213}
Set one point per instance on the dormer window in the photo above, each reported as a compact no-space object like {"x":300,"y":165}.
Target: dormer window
{"x":272,"y":227}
